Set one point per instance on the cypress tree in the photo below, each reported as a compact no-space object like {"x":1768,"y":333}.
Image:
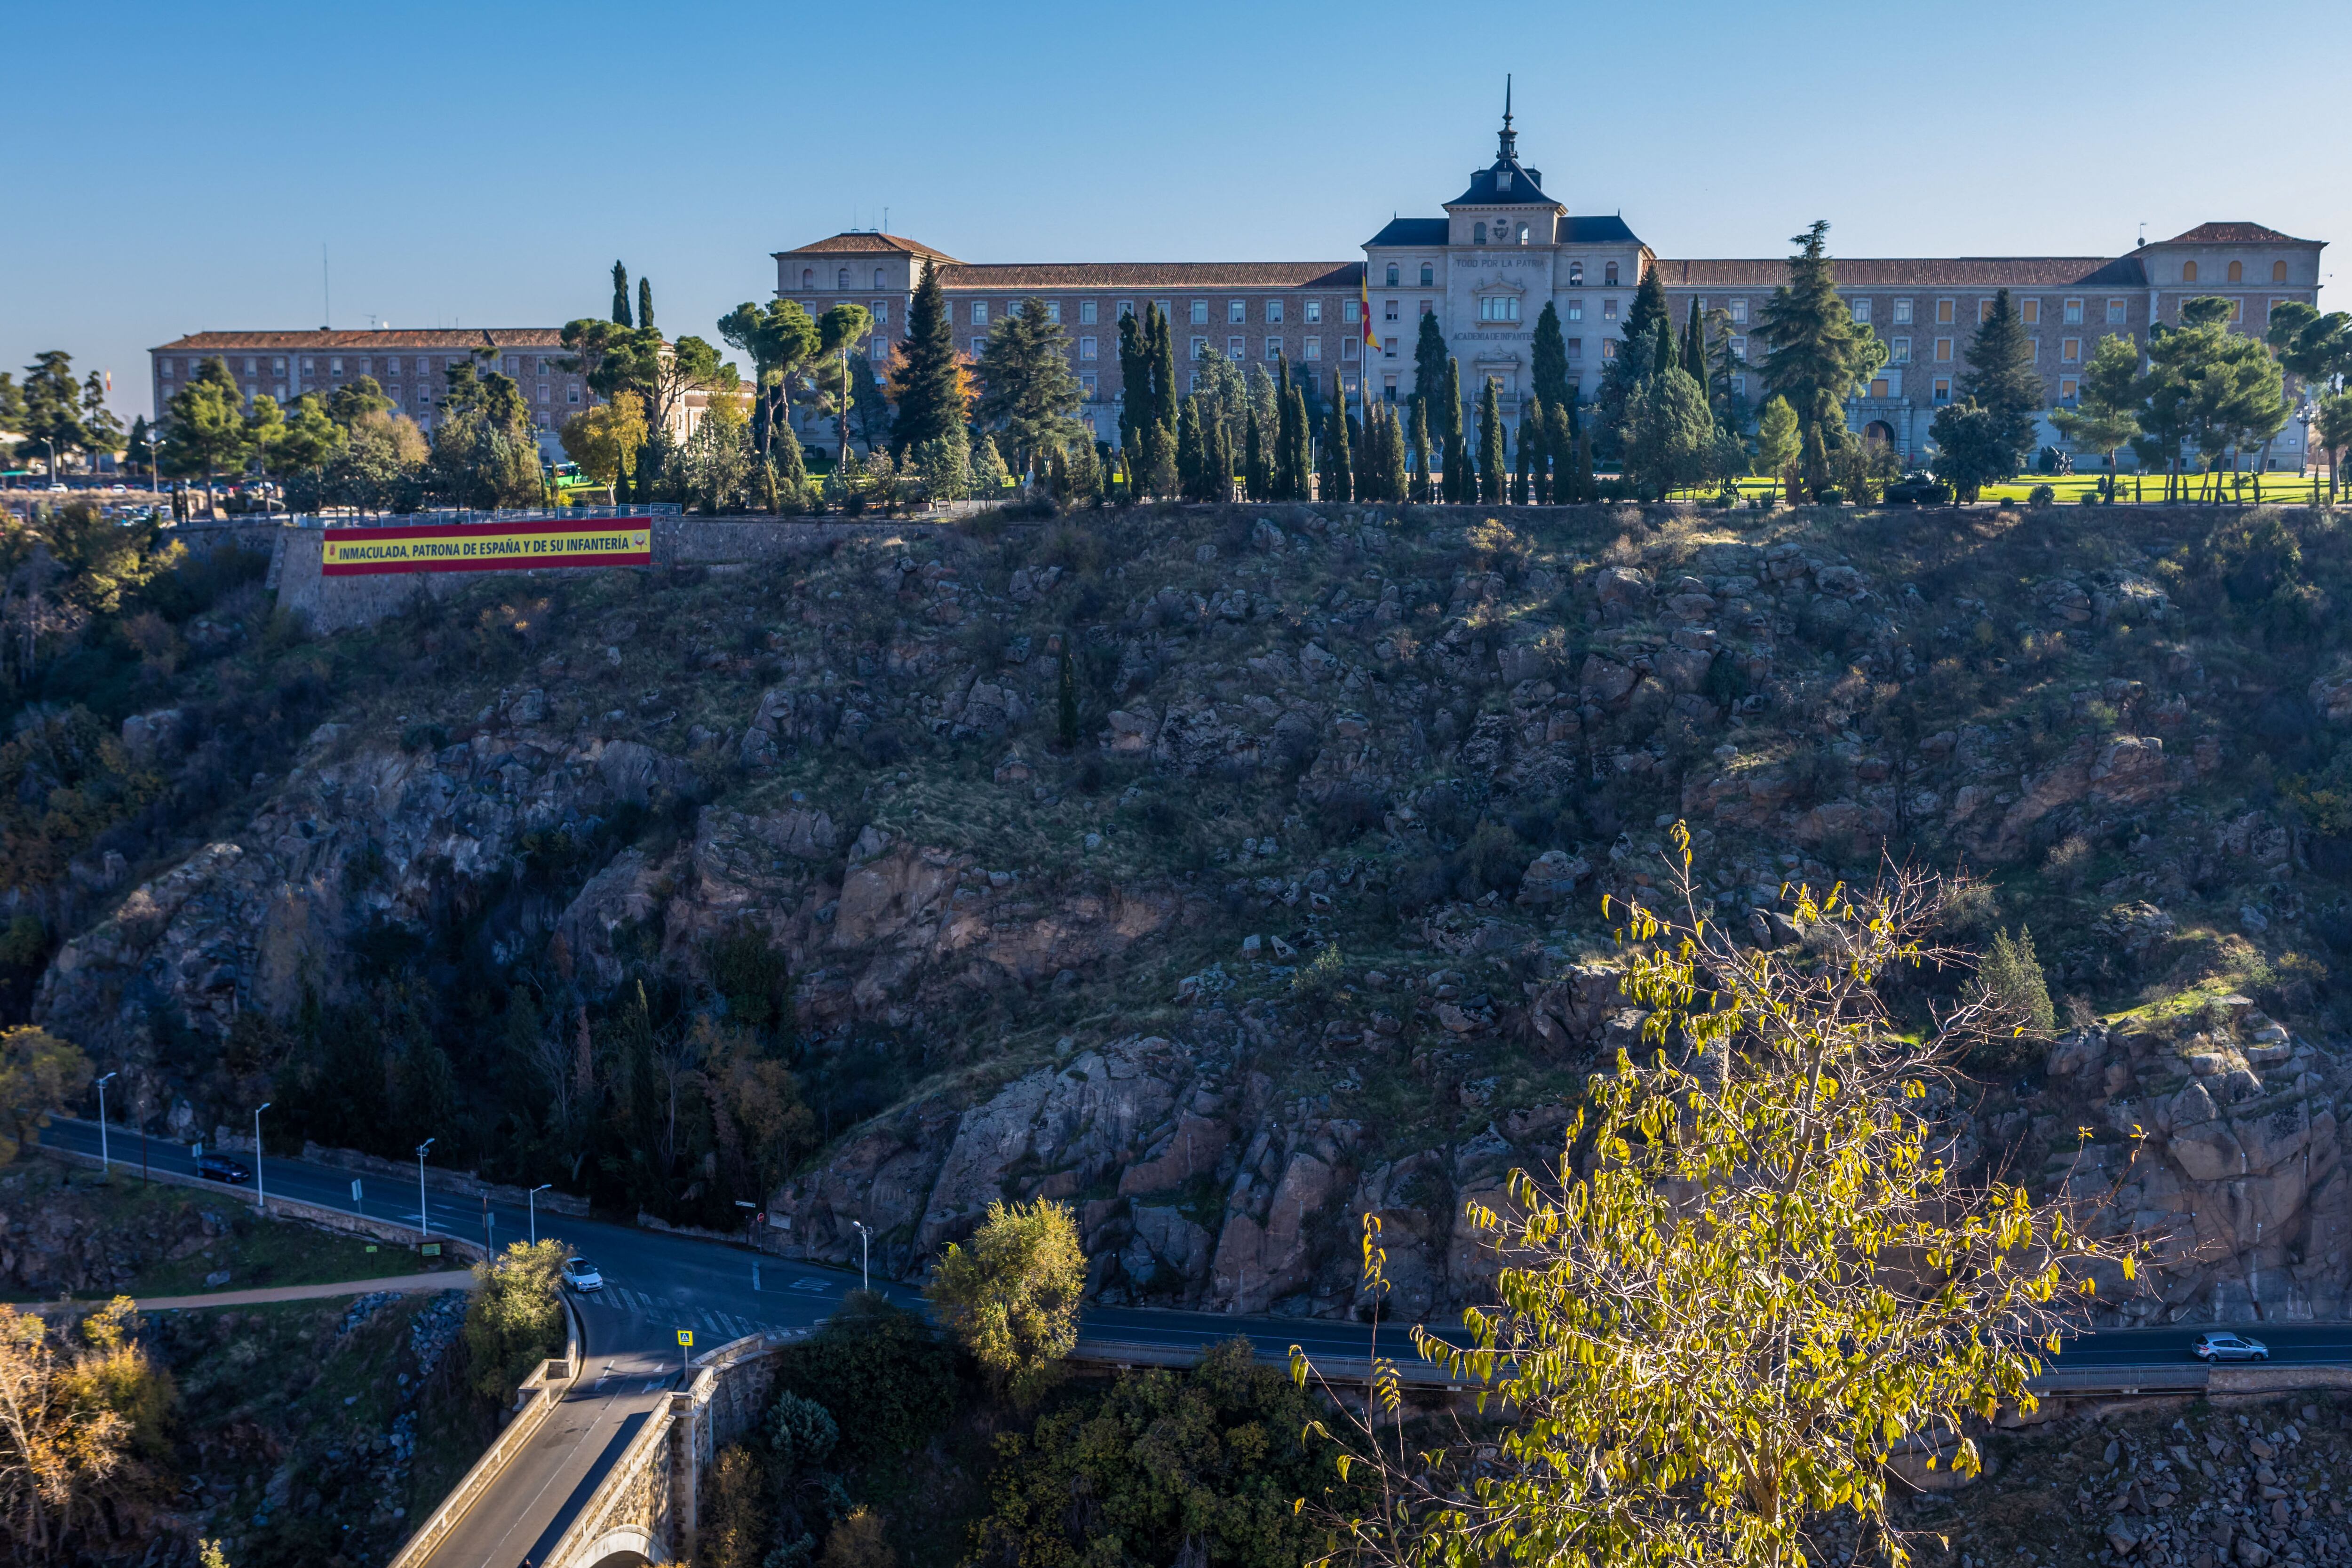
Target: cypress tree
{"x":931,"y":399}
{"x":1134,"y":386}
{"x":1458,"y":478}
{"x":1695,"y":345}
{"x":1548,"y":359}
{"x":1559,"y":442}
{"x":1338,"y":464}
{"x":645,"y":303}
{"x":1192,"y":472}
{"x":1297,"y":480}
{"x":1428,"y":366}
{"x":1585,"y":489}
{"x":1360,"y":439}
{"x":1529,"y":485}
{"x":1492,"y":465}
{"x":792,"y":475}
{"x":1065,"y":679}
{"x":1254,"y":475}
{"x":1394,"y":482}
{"x":1663,"y":356}
{"x":1163,"y":372}
{"x":620,"y":294}
{"x":1419,"y":451}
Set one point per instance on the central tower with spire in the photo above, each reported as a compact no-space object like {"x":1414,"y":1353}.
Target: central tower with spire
{"x":1507,"y":149}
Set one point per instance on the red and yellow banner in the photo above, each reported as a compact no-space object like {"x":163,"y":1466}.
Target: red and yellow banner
{"x":488,"y":546}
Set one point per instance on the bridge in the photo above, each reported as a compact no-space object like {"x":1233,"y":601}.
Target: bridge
{"x":599,"y":1465}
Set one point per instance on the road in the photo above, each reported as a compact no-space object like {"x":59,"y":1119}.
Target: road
{"x":659,"y":1285}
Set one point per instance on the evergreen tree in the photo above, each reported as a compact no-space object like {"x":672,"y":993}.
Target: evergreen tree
{"x":1338,"y":464}
{"x":1530,"y":486}
{"x":930,"y":382}
{"x":644,"y":304}
{"x":1429,"y":358}
{"x":1695,"y":345}
{"x":1649,"y":313}
{"x":1298,"y":481}
{"x":1586,"y":490}
{"x":1253,"y":482}
{"x":1027,"y":385}
{"x":1559,"y":445}
{"x":792,"y":475}
{"x":1394,"y":482}
{"x":2001,"y":378}
{"x":1192,"y":470}
{"x":1163,"y":372}
{"x":1492,"y":464}
{"x":1458,"y":475}
{"x":1134,"y":386}
{"x":620,"y":295}
{"x":1818,"y":353}
{"x":1359,"y":444}
{"x":1421,"y":492}
{"x":1662,"y":356}
{"x":1669,"y":433}
{"x":1549,"y":360}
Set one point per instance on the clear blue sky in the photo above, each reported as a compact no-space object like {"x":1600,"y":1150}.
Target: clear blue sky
{"x":484,"y":164}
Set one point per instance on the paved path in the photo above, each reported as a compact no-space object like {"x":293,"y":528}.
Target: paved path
{"x":407,"y":1284}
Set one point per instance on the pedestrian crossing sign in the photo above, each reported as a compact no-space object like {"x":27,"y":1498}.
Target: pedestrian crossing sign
{"x":686,"y":1338}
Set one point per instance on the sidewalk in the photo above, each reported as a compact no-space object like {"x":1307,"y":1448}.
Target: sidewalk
{"x":407,"y":1284}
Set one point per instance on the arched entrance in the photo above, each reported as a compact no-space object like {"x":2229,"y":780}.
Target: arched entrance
{"x":626,"y":1547}
{"x":1879,"y":430}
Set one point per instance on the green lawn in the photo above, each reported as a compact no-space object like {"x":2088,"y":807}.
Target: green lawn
{"x":144,"y":1225}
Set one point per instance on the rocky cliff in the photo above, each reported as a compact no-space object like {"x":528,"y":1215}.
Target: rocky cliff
{"x":1233,"y":875}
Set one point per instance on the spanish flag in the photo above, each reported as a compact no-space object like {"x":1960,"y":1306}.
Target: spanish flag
{"x":1364,"y":289}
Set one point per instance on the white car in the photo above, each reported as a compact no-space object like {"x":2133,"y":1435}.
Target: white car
{"x":581,"y":1275}
{"x":2221,"y":1346}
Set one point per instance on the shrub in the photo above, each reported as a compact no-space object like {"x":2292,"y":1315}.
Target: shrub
{"x":2040,"y":495}
{"x":883,"y":1363}
{"x":2012,"y":980}
{"x":516,"y":1319}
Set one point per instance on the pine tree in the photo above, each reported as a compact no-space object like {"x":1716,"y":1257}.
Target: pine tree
{"x":2002,"y":377}
{"x":620,"y":294}
{"x":930,"y":382}
{"x":1560,"y":444}
{"x":1253,"y":482}
{"x":1338,"y":464}
{"x":1458,"y":474}
{"x":1421,"y":492}
{"x":1533,"y":485}
{"x":1547,"y":371}
{"x":644,"y":304}
{"x":1191,"y":469}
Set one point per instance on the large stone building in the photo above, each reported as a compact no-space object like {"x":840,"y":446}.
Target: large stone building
{"x":1504,"y":249}
{"x":410,"y":364}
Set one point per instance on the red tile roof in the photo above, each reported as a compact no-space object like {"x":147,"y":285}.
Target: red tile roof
{"x":866,"y":243}
{"x":981,"y":277}
{"x":2233,"y":234}
{"x":445,"y":338}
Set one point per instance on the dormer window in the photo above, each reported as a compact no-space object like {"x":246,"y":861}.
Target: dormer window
{"x":1477,"y":234}
{"x":1503,"y":180}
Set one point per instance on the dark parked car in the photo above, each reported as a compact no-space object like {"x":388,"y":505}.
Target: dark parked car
{"x":1917,"y":490}
{"x":221,"y":1168}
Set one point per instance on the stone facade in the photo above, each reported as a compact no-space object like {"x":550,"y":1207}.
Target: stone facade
{"x":1504,"y":249}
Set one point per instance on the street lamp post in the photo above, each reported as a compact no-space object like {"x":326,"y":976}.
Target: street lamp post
{"x":865,"y":1242}
{"x":532,"y":1198}
{"x":2305,"y":416}
{"x":260,"y":1187}
{"x":101,"y":1120}
{"x":424,"y":1219}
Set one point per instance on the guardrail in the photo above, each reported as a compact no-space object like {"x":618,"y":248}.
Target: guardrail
{"x":536,"y":1398}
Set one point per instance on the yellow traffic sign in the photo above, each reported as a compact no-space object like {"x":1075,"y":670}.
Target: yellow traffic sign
{"x":686,"y":1338}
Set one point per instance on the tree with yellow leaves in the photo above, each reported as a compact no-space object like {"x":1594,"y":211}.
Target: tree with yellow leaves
{"x":72,"y":1420}
{"x":39,"y":1072}
{"x":604,"y":440}
{"x":1752,"y":1283}
{"x":1012,"y":1299}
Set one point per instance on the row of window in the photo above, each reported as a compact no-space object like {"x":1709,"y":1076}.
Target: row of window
{"x":513,"y":365}
{"x":841,"y":278}
{"x":2237,"y":272}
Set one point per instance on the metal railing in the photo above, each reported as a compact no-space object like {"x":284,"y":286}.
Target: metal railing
{"x":453,"y":515}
